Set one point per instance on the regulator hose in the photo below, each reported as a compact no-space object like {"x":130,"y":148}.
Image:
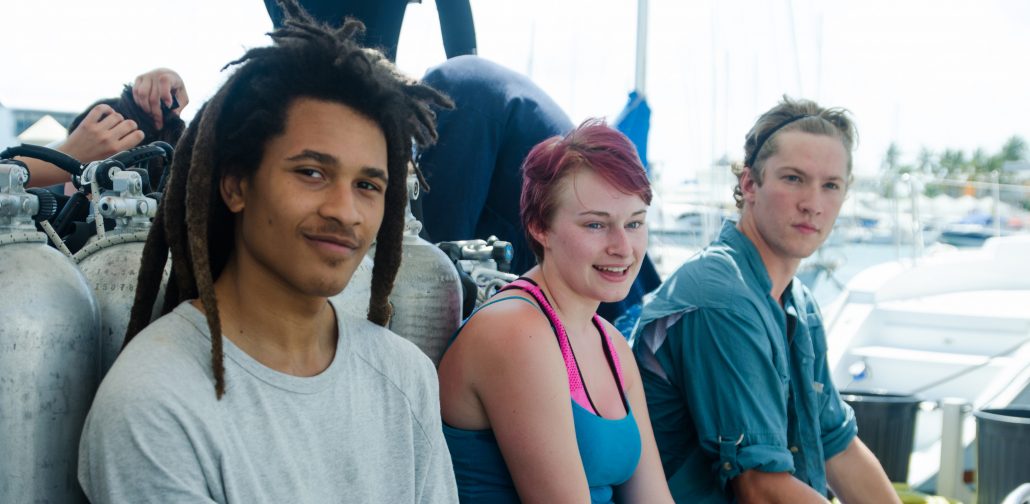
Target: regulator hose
{"x":52,"y":156}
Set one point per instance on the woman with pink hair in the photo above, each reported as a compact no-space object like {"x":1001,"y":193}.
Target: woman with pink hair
{"x":541,"y":398}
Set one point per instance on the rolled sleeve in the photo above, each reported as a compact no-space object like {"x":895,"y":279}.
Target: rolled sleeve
{"x":736,"y":391}
{"x":766,"y":454}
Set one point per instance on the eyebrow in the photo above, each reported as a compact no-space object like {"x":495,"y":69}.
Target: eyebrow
{"x":373,"y":172}
{"x":601,"y":213}
{"x":316,"y":156}
{"x":330,"y":160}
{"x":799,"y":172}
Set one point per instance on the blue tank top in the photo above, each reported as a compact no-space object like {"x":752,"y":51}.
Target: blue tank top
{"x":609,"y":449}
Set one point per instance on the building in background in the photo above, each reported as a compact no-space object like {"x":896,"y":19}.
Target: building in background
{"x":33,"y":126}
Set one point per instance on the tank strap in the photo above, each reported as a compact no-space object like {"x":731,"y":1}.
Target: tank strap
{"x":577,"y":388}
{"x":22,"y":237}
{"x":109,"y":240}
{"x":492,"y":301}
{"x":484,"y":305}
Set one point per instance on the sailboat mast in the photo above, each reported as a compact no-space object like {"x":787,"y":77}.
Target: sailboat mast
{"x":639,"y":82}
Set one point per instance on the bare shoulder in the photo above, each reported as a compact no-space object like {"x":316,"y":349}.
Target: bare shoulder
{"x":511,"y":327}
{"x":508,"y":344}
{"x":506,"y":356}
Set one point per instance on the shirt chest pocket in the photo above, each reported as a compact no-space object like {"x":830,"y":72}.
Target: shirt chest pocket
{"x":806,"y":356}
{"x":781,"y":361}
{"x":815,"y":334}
{"x":824,"y":400}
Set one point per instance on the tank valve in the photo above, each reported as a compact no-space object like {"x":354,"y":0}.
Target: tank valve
{"x":16,"y":206}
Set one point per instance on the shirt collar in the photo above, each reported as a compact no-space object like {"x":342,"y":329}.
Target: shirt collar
{"x":746,"y":254}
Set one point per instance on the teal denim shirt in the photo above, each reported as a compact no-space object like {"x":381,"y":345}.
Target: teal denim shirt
{"x":727,"y":388}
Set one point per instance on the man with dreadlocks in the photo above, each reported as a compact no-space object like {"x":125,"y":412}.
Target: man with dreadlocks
{"x":253,"y":387}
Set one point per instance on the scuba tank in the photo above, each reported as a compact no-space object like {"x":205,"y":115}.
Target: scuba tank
{"x":354,"y":298}
{"x":426,"y":296}
{"x":49,"y":349}
{"x":110,"y":260}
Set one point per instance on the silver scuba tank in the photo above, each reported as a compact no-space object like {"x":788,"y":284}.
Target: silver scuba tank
{"x":354,"y":298}
{"x":426,"y":295}
{"x":110,"y":260}
{"x":49,"y":354}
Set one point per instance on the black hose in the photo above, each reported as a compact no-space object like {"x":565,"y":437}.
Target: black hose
{"x":169,"y":154}
{"x":54,"y":157}
{"x":75,"y":209}
{"x":139,"y":154}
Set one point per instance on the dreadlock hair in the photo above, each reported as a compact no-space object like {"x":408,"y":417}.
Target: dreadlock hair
{"x":126,"y":105}
{"x":228,"y":135}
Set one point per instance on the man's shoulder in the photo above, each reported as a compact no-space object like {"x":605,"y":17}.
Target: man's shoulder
{"x":467,"y":68}
{"x":385,"y":352}
{"x":172,"y":353}
{"x":392,"y":367}
{"x":175,"y":339}
{"x":716,"y":260}
{"x":165,"y":372}
{"x":712,"y":278}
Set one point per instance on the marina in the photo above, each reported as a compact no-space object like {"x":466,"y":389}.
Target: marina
{"x":924,"y":283}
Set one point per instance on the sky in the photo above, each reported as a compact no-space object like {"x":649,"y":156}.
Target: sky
{"x":922,"y":73}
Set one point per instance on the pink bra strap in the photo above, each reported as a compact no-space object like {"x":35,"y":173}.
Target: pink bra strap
{"x":575,"y":381}
{"x":576,"y":388}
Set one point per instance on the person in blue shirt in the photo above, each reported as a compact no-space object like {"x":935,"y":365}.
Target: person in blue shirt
{"x":731,"y":348}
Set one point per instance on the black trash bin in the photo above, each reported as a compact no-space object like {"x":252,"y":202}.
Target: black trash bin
{"x":1002,"y":452}
{"x":887,"y":425}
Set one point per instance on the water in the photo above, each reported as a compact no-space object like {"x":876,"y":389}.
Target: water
{"x":847,"y":260}
{"x":837,"y":262}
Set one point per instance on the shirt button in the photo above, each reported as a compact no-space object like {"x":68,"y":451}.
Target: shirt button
{"x":793,"y":449}
{"x":727,"y":466}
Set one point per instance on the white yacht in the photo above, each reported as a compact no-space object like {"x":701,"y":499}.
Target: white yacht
{"x":952,"y":325}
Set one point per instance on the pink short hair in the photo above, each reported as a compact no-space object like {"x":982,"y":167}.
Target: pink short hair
{"x":593,"y":146}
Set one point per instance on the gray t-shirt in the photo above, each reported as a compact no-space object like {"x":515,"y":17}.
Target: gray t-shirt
{"x":365,"y":430}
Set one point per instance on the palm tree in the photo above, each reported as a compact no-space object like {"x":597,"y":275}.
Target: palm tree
{"x":926,"y":164}
{"x":1015,"y":149}
{"x":889,"y":170}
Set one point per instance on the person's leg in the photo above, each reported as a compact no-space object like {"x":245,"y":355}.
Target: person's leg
{"x":382,"y":18}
